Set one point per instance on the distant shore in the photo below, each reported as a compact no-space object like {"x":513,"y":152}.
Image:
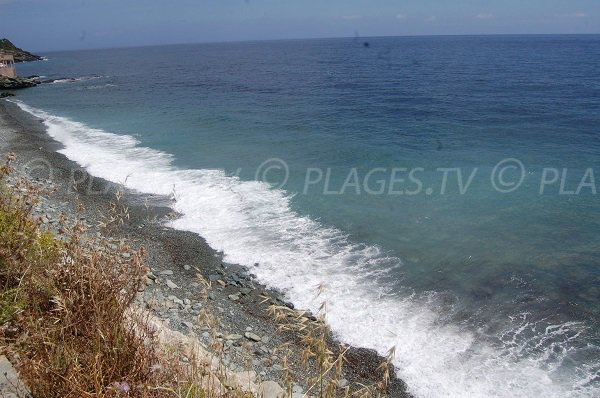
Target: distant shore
{"x":174,"y":258}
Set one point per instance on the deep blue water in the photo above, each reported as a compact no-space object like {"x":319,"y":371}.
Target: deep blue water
{"x":485,"y":293}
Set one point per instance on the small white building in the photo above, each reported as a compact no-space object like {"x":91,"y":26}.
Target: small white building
{"x":7,"y":65}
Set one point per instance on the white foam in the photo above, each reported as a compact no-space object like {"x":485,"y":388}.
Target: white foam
{"x":252,"y":223}
{"x":76,"y":79}
{"x":98,"y":86}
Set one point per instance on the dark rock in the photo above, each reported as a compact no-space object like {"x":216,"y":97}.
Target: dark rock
{"x":366,"y":364}
{"x":9,"y":83}
{"x":5,"y":95}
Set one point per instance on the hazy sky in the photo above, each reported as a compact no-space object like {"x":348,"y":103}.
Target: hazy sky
{"x":45,"y":25}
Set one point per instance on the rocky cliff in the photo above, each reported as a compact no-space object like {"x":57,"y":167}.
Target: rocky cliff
{"x":19,"y":54}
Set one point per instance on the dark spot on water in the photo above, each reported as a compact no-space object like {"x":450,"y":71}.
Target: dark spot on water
{"x":483,"y":293}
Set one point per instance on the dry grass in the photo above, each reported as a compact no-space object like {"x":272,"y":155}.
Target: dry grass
{"x":324,"y":362}
{"x":63,"y":307}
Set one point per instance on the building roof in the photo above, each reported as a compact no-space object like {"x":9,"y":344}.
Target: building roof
{"x":6,"y":56}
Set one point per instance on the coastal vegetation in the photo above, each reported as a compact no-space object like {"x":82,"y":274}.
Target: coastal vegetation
{"x":63,"y":306}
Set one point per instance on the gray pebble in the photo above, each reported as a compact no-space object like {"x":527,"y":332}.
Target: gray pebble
{"x":171,"y":285}
{"x":252,"y":336}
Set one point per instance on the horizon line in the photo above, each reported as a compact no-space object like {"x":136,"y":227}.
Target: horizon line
{"x":314,"y":38}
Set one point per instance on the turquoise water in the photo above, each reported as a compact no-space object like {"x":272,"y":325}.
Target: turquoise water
{"x":391,"y":170}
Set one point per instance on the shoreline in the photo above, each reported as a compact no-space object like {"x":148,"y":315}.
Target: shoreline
{"x":175,"y":257}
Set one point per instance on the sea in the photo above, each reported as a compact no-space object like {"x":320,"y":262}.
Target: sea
{"x":438,"y":194}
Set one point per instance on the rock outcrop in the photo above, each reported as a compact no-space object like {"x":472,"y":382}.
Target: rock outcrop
{"x":9,"y":83}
